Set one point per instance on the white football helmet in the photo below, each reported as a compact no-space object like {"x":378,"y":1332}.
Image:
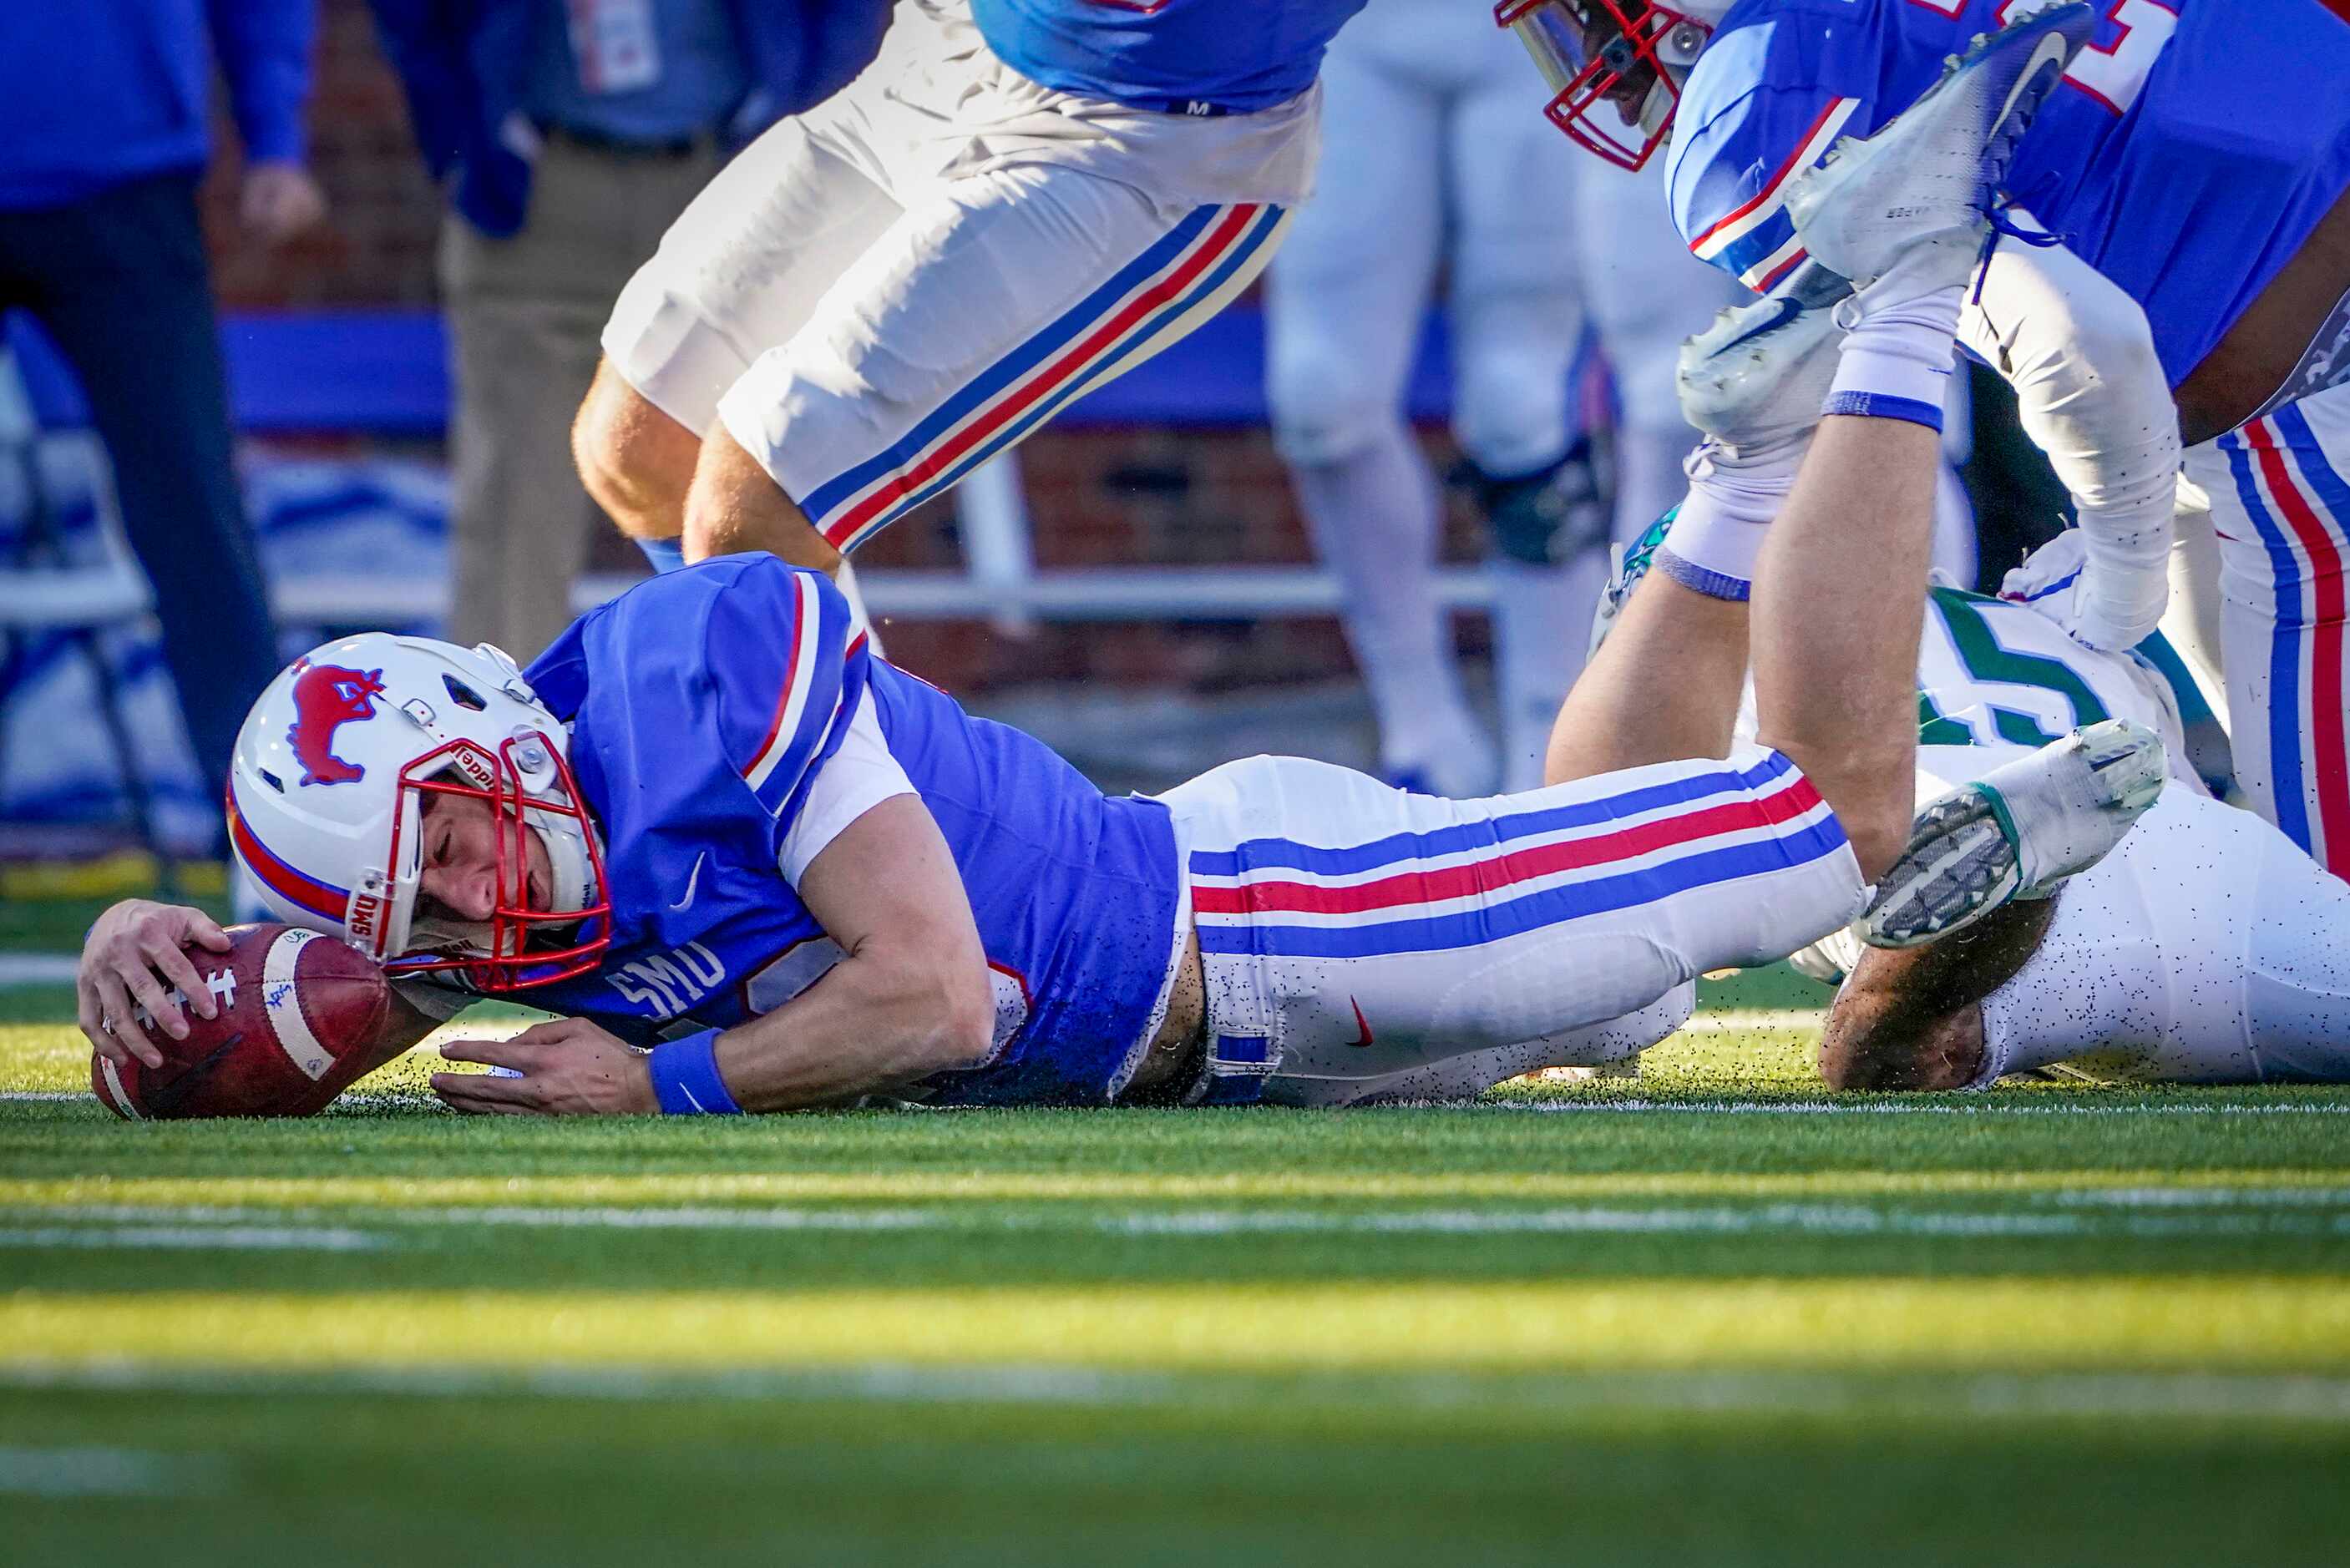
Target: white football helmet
{"x":327,"y":791}
{"x":1603,"y":57}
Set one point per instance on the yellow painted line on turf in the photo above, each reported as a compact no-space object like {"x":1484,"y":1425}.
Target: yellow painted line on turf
{"x":2076,"y":1323}
{"x":927,"y":1185}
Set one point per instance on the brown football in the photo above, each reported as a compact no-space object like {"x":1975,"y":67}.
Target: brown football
{"x":298,"y":1014}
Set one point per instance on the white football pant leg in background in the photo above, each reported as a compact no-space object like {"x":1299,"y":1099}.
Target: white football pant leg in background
{"x":2207,"y":949}
{"x":1344,"y":302}
{"x":1645,"y":294}
{"x":2279,"y":495}
{"x":1517,"y":314}
{"x":1351,"y":931}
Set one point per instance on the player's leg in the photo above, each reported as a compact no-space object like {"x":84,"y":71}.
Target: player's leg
{"x":120,"y":283}
{"x":2280,"y":493}
{"x":1516,"y":317}
{"x":740,"y":271}
{"x":1618,"y":1042}
{"x":1351,"y":931}
{"x":1345,"y":303}
{"x":988,"y":306}
{"x":1902,"y":214}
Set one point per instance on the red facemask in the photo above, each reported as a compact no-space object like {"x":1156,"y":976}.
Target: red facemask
{"x":1600,"y":57}
{"x":462,"y":767}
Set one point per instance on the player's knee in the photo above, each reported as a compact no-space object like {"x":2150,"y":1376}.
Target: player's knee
{"x":1322,"y":413}
{"x":635,"y":462}
{"x":1509,"y":410}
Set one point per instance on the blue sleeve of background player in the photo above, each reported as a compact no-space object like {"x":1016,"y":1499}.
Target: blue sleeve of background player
{"x":1753,"y":116}
{"x":788,"y":667}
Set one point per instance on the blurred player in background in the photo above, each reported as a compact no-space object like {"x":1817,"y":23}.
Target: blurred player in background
{"x":104,"y":133}
{"x":1644,"y":294}
{"x":567,"y":135}
{"x":1017,"y":201}
{"x":1433,"y":159}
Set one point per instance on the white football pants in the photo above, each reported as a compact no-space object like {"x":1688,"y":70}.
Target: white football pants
{"x":1353,"y":935}
{"x":2279,"y":491}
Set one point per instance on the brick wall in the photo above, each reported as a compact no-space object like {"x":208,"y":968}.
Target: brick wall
{"x":1101,"y":498}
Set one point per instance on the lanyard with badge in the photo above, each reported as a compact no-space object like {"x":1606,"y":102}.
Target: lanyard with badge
{"x":615,"y":43}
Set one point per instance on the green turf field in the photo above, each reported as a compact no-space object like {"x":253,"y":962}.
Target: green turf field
{"x":1713,"y":1316}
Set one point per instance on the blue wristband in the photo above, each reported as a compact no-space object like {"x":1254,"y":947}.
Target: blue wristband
{"x":686,"y":1080}
{"x":666,"y":554}
{"x":1884,"y":406}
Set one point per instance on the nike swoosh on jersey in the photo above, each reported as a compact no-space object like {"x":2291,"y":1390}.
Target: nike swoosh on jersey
{"x":1360,"y":1023}
{"x":692,"y":878}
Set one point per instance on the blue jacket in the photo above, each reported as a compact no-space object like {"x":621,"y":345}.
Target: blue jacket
{"x":98,"y":92}
{"x":465,"y":64}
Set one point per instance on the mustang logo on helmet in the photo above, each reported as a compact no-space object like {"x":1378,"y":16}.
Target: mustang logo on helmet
{"x":326,"y":697}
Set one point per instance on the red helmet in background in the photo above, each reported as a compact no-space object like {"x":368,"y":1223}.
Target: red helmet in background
{"x":1615,"y":67}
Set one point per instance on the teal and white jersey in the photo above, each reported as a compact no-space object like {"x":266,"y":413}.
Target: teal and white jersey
{"x":1994,"y":673}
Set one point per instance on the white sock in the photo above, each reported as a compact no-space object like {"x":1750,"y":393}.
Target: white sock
{"x":1733,"y":494}
{"x":1373,"y":519}
{"x":1898,"y":348}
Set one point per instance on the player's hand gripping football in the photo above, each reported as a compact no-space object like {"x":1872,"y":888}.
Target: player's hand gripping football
{"x":567,"y":1067}
{"x":135,"y":959}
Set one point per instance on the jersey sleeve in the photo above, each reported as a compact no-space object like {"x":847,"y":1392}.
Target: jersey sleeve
{"x":1750,"y":121}
{"x":789,"y":664}
{"x":858,"y":776}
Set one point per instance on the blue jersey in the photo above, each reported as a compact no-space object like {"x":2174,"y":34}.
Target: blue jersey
{"x":1176,"y":56}
{"x":2193,"y":145}
{"x":704,"y":706}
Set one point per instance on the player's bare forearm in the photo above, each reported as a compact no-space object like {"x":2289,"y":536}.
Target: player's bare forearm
{"x":1911,"y":1019}
{"x":881,"y":1020}
{"x":913,"y":996}
{"x":733,"y":505}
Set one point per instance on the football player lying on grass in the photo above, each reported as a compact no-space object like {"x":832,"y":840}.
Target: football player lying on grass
{"x":707,"y":816}
{"x":2208,"y":948}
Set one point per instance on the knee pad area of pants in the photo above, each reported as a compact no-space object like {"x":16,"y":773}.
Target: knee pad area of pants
{"x":1322,"y":414}
{"x":661,"y":346}
{"x":1548,"y":985}
{"x":1510,"y":410}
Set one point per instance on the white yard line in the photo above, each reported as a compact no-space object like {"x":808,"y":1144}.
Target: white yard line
{"x":2283,"y":1397}
{"x":329,"y":1229}
{"x":193,"y":1239}
{"x":104,"y":1473}
{"x":1972,"y":1107}
{"x":37,"y":969}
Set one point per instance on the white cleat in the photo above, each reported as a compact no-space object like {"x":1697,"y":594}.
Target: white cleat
{"x":1756,"y":376}
{"x":2016,"y":833}
{"x":1919,"y":191}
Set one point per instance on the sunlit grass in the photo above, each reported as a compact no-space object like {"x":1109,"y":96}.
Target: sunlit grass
{"x":2231,"y":1324}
